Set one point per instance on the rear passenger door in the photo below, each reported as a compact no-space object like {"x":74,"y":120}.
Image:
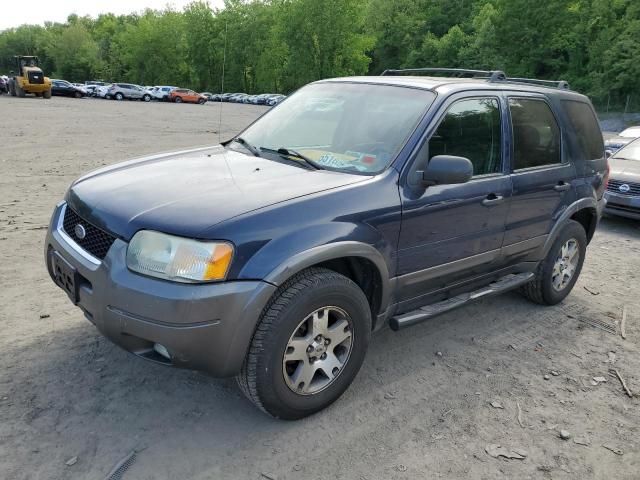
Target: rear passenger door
{"x":541,"y":174}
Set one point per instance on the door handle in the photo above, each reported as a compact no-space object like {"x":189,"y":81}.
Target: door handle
{"x":492,"y":199}
{"x":562,"y":187}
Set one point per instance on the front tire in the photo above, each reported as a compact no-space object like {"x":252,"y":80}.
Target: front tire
{"x":308,"y":346}
{"x":119,"y":96}
{"x":146,"y":98}
{"x":558,"y":272}
{"x":178,"y":100}
{"x":46,"y":94}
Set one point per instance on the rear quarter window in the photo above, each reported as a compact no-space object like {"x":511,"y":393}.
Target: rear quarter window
{"x":585,"y":125}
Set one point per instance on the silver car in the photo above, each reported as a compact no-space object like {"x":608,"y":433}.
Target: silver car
{"x":623,"y":189}
{"x":120,"y":91}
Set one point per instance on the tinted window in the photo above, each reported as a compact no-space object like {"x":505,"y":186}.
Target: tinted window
{"x":471,"y":129}
{"x":586,"y":126}
{"x":536,"y":135}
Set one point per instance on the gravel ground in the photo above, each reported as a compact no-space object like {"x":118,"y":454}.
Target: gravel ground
{"x":420,"y":407}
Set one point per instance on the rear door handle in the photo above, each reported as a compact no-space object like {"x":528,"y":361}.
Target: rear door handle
{"x":492,"y":199}
{"x":562,"y":187}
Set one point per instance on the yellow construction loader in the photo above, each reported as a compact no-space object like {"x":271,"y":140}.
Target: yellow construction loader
{"x":29,"y":78}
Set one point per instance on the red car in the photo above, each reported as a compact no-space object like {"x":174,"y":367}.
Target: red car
{"x":180,"y":95}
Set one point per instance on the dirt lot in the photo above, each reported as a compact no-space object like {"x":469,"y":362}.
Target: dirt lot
{"x":66,"y":392}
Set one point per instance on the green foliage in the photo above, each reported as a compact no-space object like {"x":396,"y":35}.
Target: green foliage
{"x":279,"y":45}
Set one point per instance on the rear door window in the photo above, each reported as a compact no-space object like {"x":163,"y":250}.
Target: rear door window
{"x":471,"y":128}
{"x":587,"y":129}
{"x":536,"y":134}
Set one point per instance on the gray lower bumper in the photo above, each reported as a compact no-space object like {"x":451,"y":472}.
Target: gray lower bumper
{"x":622,"y":205}
{"x":206,"y":327}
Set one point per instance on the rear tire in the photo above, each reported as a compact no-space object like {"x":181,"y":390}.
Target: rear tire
{"x":178,"y":100}
{"x":118,"y":96}
{"x":308,"y":346}
{"x":12,"y":88}
{"x":146,"y":98}
{"x":558,"y":272}
{"x":46,"y":94}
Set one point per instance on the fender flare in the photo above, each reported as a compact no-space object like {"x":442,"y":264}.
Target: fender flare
{"x":332,"y":251}
{"x":564,"y":216}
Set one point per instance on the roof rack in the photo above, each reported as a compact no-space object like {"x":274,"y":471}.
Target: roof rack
{"x":490,"y":75}
{"x":563,"y":84}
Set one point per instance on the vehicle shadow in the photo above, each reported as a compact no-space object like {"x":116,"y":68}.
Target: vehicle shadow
{"x":92,"y":400}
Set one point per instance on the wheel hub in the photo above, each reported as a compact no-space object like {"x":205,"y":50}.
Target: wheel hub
{"x":317,"y":351}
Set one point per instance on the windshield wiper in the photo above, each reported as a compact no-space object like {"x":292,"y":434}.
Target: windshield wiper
{"x":295,"y":154}
{"x":247,"y":145}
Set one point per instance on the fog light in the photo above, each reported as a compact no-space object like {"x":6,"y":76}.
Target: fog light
{"x":162,"y":350}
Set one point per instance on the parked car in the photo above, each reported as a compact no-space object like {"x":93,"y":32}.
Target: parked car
{"x":623,"y":190}
{"x":90,"y":90}
{"x":274,"y":256}
{"x":615,"y":143}
{"x":207,"y":95}
{"x":121,"y":91}
{"x":4,"y":84}
{"x":275,"y":99}
{"x":162,"y":92}
{"x":184,"y":95}
{"x":102,"y":91}
{"x":98,"y":83}
{"x":65,"y":89}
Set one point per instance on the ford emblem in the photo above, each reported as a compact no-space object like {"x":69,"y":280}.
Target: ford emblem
{"x":624,"y":188}
{"x":80,"y":232}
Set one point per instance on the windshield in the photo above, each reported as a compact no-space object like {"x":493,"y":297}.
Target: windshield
{"x":630,"y":152}
{"x":343,"y":126}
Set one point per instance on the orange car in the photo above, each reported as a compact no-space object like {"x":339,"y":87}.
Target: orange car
{"x":180,"y":95}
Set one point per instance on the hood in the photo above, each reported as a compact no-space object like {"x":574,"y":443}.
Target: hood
{"x":624,"y":170}
{"x":185,"y":193}
{"x":617,"y":141}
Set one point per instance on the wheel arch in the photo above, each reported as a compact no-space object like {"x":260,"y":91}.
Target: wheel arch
{"x":584,"y":211}
{"x":360,"y":262}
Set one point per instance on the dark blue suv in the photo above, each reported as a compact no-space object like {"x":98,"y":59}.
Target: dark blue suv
{"x":356,"y":203}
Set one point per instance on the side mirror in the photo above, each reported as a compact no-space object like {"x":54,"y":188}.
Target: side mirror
{"x":447,"y":170}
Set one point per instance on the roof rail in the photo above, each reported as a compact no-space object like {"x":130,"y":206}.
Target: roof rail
{"x":562,"y":84}
{"x":491,"y":75}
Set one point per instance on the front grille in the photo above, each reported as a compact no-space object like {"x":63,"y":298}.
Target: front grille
{"x":96,"y":241}
{"x":36,"y":78}
{"x":634,"y":188}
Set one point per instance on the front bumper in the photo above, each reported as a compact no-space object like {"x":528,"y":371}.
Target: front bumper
{"x":205,"y":327}
{"x":622,"y":205}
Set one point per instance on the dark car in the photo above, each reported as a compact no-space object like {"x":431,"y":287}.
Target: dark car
{"x":63,"y":88}
{"x":355,"y":204}
{"x":623,"y":190}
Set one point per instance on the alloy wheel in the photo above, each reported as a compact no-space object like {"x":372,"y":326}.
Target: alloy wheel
{"x":565,"y":265}
{"x":318,"y":350}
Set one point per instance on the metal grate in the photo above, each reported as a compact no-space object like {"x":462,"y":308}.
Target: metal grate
{"x":96,"y":241}
{"x":633,"y":189}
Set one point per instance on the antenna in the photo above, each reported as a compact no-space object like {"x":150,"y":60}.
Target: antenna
{"x":224,"y":62}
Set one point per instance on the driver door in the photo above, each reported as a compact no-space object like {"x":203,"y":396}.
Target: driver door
{"x":454,"y":232}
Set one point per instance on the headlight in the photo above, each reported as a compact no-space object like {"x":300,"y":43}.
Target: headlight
{"x":178,"y":259}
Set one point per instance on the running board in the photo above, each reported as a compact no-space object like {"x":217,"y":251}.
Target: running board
{"x":508,"y":282}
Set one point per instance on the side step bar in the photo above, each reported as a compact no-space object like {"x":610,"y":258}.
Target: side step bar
{"x":508,"y":282}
